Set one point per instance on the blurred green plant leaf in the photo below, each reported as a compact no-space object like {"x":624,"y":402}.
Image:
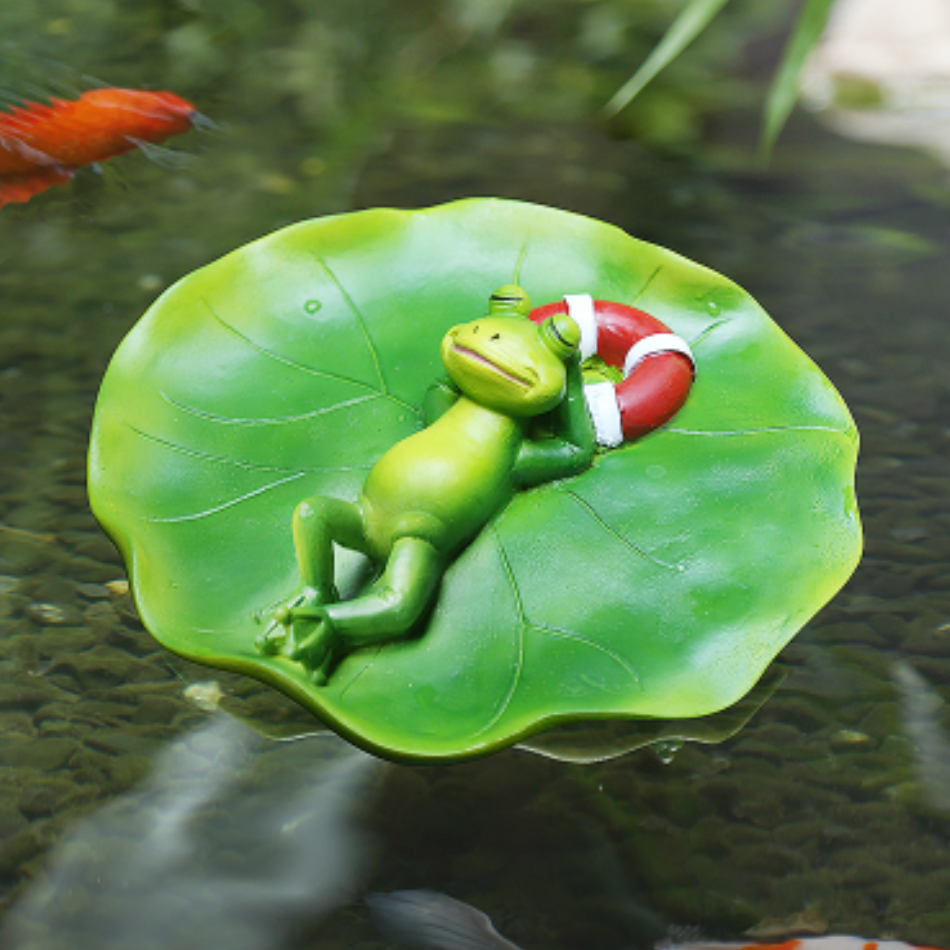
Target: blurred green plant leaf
{"x":692,"y":20}
{"x":785,"y":88}
{"x":658,"y":584}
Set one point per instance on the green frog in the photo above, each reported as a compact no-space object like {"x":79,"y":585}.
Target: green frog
{"x":430,"y":494}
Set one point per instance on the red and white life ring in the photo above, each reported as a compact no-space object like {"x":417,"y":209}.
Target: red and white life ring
{"x":658,"y":366}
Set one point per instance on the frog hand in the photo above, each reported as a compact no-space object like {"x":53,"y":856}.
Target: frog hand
{"x":315,"y":650}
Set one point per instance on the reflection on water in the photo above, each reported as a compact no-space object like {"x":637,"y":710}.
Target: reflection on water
{"x":923,"y":711}
{"x":230,"y":843}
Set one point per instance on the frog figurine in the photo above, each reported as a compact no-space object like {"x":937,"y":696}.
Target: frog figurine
{"x":430,"y":494}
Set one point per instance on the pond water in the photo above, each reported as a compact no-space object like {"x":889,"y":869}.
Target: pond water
{"x":138,"y":808}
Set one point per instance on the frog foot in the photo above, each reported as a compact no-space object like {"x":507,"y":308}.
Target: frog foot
{"x":315,"y":652}
{"x":273,"y":638}
{"x":289,"y":622}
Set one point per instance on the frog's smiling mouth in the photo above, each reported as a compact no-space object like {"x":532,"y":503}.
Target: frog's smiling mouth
{"x":495,"y":367}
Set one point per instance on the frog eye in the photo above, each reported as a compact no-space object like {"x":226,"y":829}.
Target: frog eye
{"x":509,"y":300}
{"x":560,"y":334}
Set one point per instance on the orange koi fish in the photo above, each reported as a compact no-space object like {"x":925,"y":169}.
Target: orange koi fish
{"x":427,"y":919}
{"x":42,"y":145}
{"x":830,"y":942}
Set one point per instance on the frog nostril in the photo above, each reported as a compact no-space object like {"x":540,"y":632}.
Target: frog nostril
{"x":496,"y":336}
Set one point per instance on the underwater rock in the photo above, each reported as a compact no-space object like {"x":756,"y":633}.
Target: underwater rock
{"x":52,"y":614}
{"x":31,"y":696}
{"x":849,"y":739}
{"x":154,"y":708}
{"x":45,"y":797}
{"x":17,"y":851}
{"x":93,"y":591}
{"x":205,"y":695}
{"x":47,"y":754}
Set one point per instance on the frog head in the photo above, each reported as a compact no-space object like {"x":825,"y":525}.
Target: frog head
{"x":508,"y":363}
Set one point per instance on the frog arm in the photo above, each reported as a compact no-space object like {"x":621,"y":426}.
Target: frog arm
{"x":439,"y":399}
{"x":569,"y":453}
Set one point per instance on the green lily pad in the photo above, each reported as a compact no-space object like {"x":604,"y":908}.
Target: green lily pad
{"x":658,"y":584}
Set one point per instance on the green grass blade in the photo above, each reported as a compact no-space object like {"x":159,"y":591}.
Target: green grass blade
{"x":784,"y":90}
{"x":693,"y":19}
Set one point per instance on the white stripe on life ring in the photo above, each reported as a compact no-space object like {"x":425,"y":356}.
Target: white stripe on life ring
{"x":580,"y":308}
{"x":604,"y":413}
{"x":652,"y":344}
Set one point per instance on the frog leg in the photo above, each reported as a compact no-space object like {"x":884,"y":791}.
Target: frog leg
{"x":318,"y":522}
{"x":386,"y":611}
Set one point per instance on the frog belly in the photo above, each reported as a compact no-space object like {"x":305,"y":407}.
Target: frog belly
{"x":441,"y":485}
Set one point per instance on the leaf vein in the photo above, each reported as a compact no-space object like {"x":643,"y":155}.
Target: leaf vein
{"x":520,"y":261}
{"x":626,"y":542}
{"x":172,"y":519}
{"x":265,"y":420}
{"x":705,"y":333}
{"x":360,"y":320}
{"x":519,"y":665}
{"x":293,"y":364}
{"x":580,"y":638}
{"x":239,"y":463}
{"x":365,"y":668}
{"x":646,"y":286}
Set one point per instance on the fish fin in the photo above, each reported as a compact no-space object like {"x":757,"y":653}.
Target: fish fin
{"x":433,"y":921}
{"x":17,"y":188}
{"x":26,"y":110}
{"x":164,"y":157}
{"x":16,"y":120}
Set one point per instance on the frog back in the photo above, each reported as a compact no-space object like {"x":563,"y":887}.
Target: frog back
{"x":444,"y":483}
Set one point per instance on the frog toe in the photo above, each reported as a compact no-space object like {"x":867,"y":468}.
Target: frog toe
{"x":321,"y":674}
{"x":271,"y":640}
{"x":312,"y":643}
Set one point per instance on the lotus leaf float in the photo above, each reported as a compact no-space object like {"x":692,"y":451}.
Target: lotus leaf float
{"x":658,"y":584}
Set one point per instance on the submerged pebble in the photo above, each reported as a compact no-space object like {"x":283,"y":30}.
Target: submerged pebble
{"x":847,"y":738}
{"x":8,"y":583}
{"x":54,"y":614}
{"x":45,"y":797}
{"x":205,"y":695}
{"x":93,"y":591}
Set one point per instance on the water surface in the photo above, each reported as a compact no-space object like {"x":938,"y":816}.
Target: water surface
{"x":134,"y":805}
